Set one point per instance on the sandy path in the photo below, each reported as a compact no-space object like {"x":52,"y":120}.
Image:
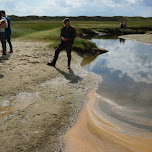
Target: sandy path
{"x":37,"y":102}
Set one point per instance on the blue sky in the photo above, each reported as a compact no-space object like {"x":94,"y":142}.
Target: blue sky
{"x":78,"y":7}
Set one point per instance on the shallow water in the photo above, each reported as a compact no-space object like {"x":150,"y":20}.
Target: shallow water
{"x":127,"y":83}
{"x":121,"y":115}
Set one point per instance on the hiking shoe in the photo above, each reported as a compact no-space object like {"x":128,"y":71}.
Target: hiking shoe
{"x":4,"y":54}
{"x":68,"y":67}
{"x":10,"y":52}
{"x":51,"y":64}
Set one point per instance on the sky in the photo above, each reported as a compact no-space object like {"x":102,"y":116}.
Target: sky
{"x":77,"y":7}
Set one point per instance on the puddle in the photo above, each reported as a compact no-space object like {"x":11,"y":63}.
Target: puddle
{"x":17,"y":103}
{"x":118,"y":117}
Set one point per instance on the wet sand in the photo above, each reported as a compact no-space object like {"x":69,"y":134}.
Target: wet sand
{"x":144,"y":38}
{"x":38,"y":103}
{"x":92,"y":134}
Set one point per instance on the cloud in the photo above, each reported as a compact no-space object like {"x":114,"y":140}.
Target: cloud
{"x":22,"y":8}
{"x":77,"y":7}
{"x":147,"y":2}
{"x":4,"y":1}
{"x":75,"y":3}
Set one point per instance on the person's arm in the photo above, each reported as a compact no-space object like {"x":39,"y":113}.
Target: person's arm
{"x":61,"y":35}
{"x":6,"y":22}
{"x":73,"y":35}
{"x":3,"y":24}
{"x":63,"y":38}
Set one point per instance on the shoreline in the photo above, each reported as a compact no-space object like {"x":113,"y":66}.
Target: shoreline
{"x":82,"y":135}
{"x":38,"y":103}
{"x":91,"y":133}
{"x":143,"y":38}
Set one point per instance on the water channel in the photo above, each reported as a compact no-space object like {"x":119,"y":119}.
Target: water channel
{"x":120,"y":117}
{"x":126,"y":71}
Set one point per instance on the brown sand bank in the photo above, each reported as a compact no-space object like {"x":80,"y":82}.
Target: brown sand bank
{"x":38,"y":102}
{"x":92,"y":134}
{"x":144,"y":38}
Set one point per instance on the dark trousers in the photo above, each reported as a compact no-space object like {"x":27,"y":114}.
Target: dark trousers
{"x":8,"y":38}
{"x":3,"y":41}
{"x":59,"y":49}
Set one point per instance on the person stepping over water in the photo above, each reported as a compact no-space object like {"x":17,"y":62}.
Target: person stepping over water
{"x":68,"y":34}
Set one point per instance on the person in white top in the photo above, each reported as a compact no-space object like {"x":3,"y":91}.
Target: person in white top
{"x":3,"y":25}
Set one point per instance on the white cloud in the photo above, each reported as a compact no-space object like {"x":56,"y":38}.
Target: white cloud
{"x":77,"y":7}
{"x":8,"y":1}
{"x":22,"y":8}
{"x":131,"y":1}
{"x":76,"y":3}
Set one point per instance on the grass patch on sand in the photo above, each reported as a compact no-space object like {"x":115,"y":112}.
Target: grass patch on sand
{"x":47,"y":31}
{"x":80,"y":45}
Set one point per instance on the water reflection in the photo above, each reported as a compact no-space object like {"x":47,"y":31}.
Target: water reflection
{"x":88,"y":60}
{"x":127,"y":82}
{"x":132,"y":59}
{"x":122,"y":40}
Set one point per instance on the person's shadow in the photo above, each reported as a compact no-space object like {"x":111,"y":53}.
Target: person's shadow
{"x":1,"y":76}
{"x":70,"y":76}
{"x":4,"y":57}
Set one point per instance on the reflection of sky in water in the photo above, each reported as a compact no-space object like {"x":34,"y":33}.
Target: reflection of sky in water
{"x":127,"y":75}
{"x":131,"y":58}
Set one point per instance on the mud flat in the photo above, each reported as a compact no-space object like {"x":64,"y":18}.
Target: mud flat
{"x":38,"y":103}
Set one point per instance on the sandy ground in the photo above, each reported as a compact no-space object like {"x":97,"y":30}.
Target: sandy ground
{"x":144,"y":38}
{"x":38,"y":103}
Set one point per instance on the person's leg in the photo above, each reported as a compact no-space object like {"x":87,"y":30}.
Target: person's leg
{"x":8,"y":37}
{"x":69,"y":49}
{"x":57,"y":51}
{"x":0,"y":37}
{"x":3,"y":41}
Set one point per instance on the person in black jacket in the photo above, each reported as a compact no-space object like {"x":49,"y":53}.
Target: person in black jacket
{"x":68,"y":34}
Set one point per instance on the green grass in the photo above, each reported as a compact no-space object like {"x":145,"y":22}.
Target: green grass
{"x":23,"y":28}
{"x":110,"y":24}
{"x":50,"y":30}
{"x":47,"y":35}
{"x":82,"y":45}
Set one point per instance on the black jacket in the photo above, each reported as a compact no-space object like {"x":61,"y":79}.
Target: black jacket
{"x":68,"y":32}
